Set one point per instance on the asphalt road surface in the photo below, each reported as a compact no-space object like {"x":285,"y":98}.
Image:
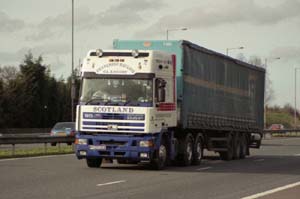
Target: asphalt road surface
{"x":276,"y":164}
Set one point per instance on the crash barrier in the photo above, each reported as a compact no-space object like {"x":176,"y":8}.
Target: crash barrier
{"x":282,"y":133}
{"x":33,"y":139}
{"x":24,"y":131}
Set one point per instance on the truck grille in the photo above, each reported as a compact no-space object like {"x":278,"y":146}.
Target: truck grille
{"x":113,"y":122}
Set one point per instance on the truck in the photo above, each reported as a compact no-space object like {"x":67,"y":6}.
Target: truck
{"x":163,"y":102}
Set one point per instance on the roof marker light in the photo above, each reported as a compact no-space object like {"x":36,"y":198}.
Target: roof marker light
{"x":99,"y":52}
{"x":135,"y":53}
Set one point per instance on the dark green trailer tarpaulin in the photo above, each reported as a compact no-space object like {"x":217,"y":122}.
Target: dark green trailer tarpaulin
{"x":214,"y":91}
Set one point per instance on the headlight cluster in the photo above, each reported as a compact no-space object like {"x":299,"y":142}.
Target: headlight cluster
{"x":81,"y":141}
{"x":146,"y":143}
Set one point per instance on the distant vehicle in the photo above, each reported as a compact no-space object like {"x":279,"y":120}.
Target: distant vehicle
{"x":63,"y":129}
{"x":276,"y":127}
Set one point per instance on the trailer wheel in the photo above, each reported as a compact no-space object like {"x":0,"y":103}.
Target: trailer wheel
{"x":186,"y":146}
{"x":93,"y":162}
{"x":243,"y":151}
{"x":236,"y":146}
{"x":228,"y":155}
{"x":160,"y":160}
{"x":197,"y":150}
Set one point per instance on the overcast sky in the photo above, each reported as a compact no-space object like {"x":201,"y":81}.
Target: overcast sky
{"x":266,"y":28}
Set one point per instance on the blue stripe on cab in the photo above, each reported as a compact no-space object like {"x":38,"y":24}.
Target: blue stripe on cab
{"x":95,"y":128}
{"x":108,"y":123}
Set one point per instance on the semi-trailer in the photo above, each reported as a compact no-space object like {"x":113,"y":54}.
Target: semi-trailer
{"x":160,"y":102}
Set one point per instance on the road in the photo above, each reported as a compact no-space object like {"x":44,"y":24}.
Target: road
{"x":275,"y":165}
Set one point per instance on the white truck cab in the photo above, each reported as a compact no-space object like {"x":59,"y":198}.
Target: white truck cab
{"x":125,"y":96}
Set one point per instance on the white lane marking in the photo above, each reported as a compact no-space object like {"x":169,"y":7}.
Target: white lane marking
{"x":110,"y":183}
{"x":38,"y":157}
{"x":259,"y":160}
{"x":272,"y":191}
{"x":203,"y":168}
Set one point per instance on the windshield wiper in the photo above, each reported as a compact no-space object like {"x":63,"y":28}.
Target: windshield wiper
{"x":127,"y":102}
{"x":132,"y":103}
{"x":94,"y":99}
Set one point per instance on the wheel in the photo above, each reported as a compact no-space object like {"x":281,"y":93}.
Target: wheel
{"x":93,"y":162}
{"x":228,"y":155}
{"x":197,"y":150}
{"x":243,"y":146}
{"x":236,"y":146}
{"x":53,"y":144}
{"x":186,"y":146}
{"x":160,"y":159}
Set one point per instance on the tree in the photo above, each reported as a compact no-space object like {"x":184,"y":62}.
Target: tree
{"x":255,"y":60}
{"x":2,"y":121}
{"x":269,"y":92}
{"x":241,"y":57}
{"x":33,"y":79}
{"x":31,"y":98}
{"x":8,"y":73}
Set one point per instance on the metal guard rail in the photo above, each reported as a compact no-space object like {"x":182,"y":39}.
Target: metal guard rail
{"x":282,"y":131}
{"x":34,"y":139}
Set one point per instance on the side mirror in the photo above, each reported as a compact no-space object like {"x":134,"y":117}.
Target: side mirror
{"x":161,"y":95}
{"x":160,"y":90}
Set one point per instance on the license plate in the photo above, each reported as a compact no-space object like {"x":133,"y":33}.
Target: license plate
{"x":61,"y":134}
{"x":98,"y":147}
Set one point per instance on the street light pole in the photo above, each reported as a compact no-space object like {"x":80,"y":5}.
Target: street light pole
{"x":236,"y":48}
{"x":175,"y":29}
{"x":167,"y":34}
{"x":72,"y":69}
{"x":295,"y":108}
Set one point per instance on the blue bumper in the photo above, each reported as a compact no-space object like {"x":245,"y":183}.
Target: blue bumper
{"x":116,"y":147}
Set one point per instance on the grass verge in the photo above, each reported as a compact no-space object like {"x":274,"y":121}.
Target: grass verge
{"x":290,"y":134}
{"x":36,"y":151}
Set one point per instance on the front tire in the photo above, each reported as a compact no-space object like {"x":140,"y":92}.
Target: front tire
{"x":160,"y":159}
{"x":93,"y":162}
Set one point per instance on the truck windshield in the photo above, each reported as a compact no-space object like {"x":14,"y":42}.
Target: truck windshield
{"x":118,"y":92}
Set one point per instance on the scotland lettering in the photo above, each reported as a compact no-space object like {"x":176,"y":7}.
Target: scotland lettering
{"x":108,"y":109}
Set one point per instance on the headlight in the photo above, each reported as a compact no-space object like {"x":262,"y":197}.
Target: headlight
{"x":146,"y":143}
{"x":81,"y":141}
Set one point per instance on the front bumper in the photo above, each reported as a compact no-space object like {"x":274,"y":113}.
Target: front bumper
{"x":115,"y":147}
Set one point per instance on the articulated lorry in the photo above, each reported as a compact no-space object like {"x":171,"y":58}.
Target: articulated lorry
{"x":163,"y":102}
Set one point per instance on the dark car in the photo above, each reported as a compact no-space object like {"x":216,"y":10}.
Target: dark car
{"x":63,"y":129}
